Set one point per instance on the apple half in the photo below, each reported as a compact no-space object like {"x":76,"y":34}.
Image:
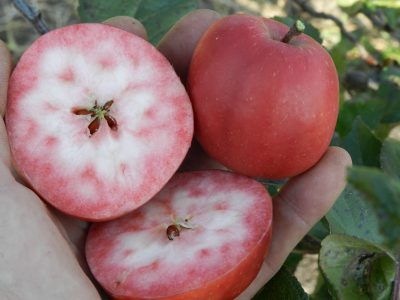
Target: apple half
{"x":204,"y":236}
{"x":97,"y":119}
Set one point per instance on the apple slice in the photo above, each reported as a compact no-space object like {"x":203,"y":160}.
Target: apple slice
{"x":98,"y":120}
{"x":204,"y":236}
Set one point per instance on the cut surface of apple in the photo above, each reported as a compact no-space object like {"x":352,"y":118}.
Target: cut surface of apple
{"x":204,"y":236}
{"x":97,"y":119}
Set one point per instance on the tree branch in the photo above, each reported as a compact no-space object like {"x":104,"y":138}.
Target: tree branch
{"x":305,"y":6}
{"x":396,"y":289}
{"x":377,"y":19}
{"x":367,"y":57}
{"x":33,"y":15}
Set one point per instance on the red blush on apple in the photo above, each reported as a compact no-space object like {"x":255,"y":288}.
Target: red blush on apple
{"x":263,"y":107}
{"x":185,"y":245}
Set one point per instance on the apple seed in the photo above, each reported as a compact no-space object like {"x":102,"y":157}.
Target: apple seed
{"x":173,"y":231}
{"x":97,"y":113}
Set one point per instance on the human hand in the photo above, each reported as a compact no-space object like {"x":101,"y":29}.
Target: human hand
{"x":37,"y":261}
{"x":41,"y":249}
{"x":302,"y":202}
{"x":51,"y":244}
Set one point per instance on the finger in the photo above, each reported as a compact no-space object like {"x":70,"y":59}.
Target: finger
{"x":303,"y":201}
{"x":179,"y":43}
{"x":128,"y":24}
{"x":38,"y":261}
{"x":74,"y":231}
{"x":5,"y":69}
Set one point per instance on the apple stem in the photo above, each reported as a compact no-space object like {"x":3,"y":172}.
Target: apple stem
{"x":297,"y":28}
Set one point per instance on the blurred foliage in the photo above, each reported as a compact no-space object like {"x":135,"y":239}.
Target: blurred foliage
{"x":360,"y":263}
{"x":18,"y":33}
{"x":356,"y":268}
{"x":155,"y":23}
{"x":282,"y":286}
{"x":359,"y":239}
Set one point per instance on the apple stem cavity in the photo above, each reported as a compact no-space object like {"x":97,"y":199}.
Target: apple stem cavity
{"x":97,"y":113}
{"x":297,"y":29}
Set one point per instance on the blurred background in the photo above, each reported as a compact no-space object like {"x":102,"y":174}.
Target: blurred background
{"x":358,"y":17}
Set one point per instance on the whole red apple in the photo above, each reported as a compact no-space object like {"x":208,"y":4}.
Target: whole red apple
{"x":264,"y":106}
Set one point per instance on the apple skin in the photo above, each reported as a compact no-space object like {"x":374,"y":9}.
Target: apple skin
{"x":262,"y":107}
{"x":132,"y":258}
{"x":102,"y":175}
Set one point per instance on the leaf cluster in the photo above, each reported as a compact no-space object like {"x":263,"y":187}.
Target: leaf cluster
{"x":359,"y":251}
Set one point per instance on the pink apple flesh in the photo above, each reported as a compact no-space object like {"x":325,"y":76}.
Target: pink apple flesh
{"x":105,"y":174}
{"x":230,"y":218}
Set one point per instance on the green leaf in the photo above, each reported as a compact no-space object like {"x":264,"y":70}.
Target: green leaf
{"x":311,"y":243}
{"x":383,"y":3}
{"x":339,"y":55}
{"x":158,"y":16}
{"x":369,"y":110}
{"x":346,"y":3}
{"x":292,"y":261}
{"x":282,"y":286}
{"x":390,"y":157}
{"x":383,"y":131}
{"x":351,"y":7}
{"x":313,"y":32}
{"x":320,"y":230}
{"x":392,"y":16}
{"x":381,"y":277}
{"x":383,"y":191}
{"x":363,"y":146}
{"x":389,"y":92}
{"x":356,"y":269}
{"x":353,"y":215}
{"x":321,"y":291}
{"x":273,"y":186}
{"x":100,"y":10}
{"x":392,"y":74}
{"x":393,"y":53}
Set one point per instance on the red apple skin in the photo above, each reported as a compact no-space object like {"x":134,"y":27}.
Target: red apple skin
{"x":102,"y":176}
{"x":176,"y":272}
{"x":262,"y":107}
{"x":239,"y":278}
